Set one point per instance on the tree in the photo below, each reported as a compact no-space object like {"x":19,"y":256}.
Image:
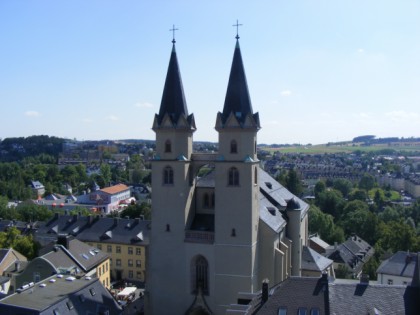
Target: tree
{"x":343,"y":185}
{"x":293,"y":183}
{"x":25,"y":245}
{"x":389,"y":214}
{"x":80,"y":210}
{"x":136,"y":211}
{"x":7,"y":213}
{"x":31,"y":212}
{"x":405,"y":239}
{"x":323,"y":224}
{"x":320,"y":187}
{"x":379,"y":199}
{"x":362,"y":222}
{"x":358,"y":194}
{"x":331,"y":202}
{"x":106,"y":173}
{"x":353,"y":206}
{"x":367,"y":182}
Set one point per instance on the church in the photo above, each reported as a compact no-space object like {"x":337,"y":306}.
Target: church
{"x":220,"y":224}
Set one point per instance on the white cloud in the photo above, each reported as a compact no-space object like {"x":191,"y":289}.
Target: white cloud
{"x":144,"y":105}
{"x":32,"y":113}
{"x":112,"y":117}
{"x":401,"y":115}
{"x":360,"y":50}
{"x":286,"y":93}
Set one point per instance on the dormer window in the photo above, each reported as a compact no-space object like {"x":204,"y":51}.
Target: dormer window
{"x":233,"y":179}
{"x":168,"y":146}
{"x":233,"y":146}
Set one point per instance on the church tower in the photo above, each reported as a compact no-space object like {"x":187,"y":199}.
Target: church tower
{"x":236,"y":188}
{"x":220,"y":224}
{"x":171,"y":194}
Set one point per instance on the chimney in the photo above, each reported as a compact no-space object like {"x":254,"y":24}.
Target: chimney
{"x":64,"y":239}
{"x":264,"y":295}
{"x":364,"y":279}
{"x":408,"y":258}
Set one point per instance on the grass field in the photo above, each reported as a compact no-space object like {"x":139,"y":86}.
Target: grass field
{"x":323,"y":148}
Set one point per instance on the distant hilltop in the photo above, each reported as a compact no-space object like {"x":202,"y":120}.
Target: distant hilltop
{"x":39,"y":144}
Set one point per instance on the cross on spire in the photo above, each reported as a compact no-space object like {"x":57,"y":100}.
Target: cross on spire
{"x":237,"y":29}
{"x":173,"y":29}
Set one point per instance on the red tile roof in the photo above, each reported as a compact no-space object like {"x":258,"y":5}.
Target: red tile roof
{"x":115,"y":189}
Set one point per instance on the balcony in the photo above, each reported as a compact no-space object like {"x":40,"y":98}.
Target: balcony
{"x":202,"y":237}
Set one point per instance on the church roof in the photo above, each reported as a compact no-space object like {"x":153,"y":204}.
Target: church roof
{"x":274,"y":199}
{"x":173,"y":99}
{"x":237,"y":110}
{"x":237,"y":99}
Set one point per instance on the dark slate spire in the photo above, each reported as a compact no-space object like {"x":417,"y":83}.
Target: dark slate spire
{"x":237,"y":99}
{"x":173,"y":99}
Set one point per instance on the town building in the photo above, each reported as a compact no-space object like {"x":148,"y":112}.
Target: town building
{"x":223,"y":232}
{"x":37,"y":188}
{"x":61,"y":295}
{"x":349,"y":257}
{"x":321,"y":296}
{"x":125,"y":241}
{"x":107,"y":200}
{"x":68,"y":257}
{"x":10,"y":260}
{"x":398,"y":269}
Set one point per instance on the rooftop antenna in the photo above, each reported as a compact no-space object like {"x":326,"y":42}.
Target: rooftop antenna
{"x":173,"y":29}
{"x":237,"y":29}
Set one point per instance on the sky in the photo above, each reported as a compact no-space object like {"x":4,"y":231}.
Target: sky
{"x":317,"y":71}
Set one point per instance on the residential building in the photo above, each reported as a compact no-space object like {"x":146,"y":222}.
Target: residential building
{"x":398,"y":269}
{"x":64,"y":295}
{"x":225,"y":231}
{"x":314,"y":264}
{"x":37,"y":188}
{"x":10,"y":261}
{"x":350,"y":256}
{"x":68,"y":256}
{"x":318,"y":244}
{"x":319,"y":296}
{"x":125,"y":241}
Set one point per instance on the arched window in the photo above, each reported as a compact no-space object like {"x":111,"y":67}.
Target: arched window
{"x":206,"y":201}
{"x":233,"y":177}
{"x":199,"y":275}
{"x":168,"y":176}
{"x":233,"y":146}
{"x":168,"y":146}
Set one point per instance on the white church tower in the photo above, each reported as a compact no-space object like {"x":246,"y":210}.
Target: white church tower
{"x":222,"y":233}
{"x":236,"y":189}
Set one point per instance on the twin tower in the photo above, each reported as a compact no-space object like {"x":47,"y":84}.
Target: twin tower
{"x":204,"y":245}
